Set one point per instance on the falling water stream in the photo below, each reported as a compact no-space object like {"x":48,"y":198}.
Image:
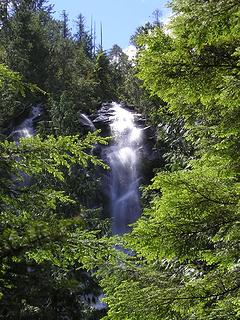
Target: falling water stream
{"x":26,"y":128}
{"x":123,"y":159}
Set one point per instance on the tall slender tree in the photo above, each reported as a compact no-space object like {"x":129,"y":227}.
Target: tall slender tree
{"x":82,"y":36}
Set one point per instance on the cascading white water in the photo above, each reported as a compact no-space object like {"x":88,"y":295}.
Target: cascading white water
{"x":123,"y":159}
{"x":26,"y":128}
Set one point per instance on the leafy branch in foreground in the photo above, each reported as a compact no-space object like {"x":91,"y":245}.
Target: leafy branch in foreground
{"x":31,"y":227}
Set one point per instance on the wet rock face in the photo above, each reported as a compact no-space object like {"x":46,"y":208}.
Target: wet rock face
{"x":102,"y":119}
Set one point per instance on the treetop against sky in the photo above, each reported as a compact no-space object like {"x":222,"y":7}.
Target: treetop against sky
{"x":119,"y":18}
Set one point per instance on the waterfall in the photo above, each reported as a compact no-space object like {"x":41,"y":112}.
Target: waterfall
{"x":26,"y":128}
{"x":123,"y":155}
{"x":123,"y":158}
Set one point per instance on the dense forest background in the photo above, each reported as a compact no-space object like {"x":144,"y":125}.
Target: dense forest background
{"x":181,"y":259}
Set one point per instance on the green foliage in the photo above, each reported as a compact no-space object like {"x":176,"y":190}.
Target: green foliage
{"x":47,"y":235}
{"x":181,"y":260}
{"x":83,"y":38}
{"x":33,"y":228}
{"x":182,"y":257}
{"x":12,"y":79}
{"x":12,"y":90}
{"x":103,"y":74}
{"x":198,"y":80}
{"x":25,"y":37}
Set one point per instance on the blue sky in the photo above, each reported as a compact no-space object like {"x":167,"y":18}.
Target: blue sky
{"x":119,"y":18}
